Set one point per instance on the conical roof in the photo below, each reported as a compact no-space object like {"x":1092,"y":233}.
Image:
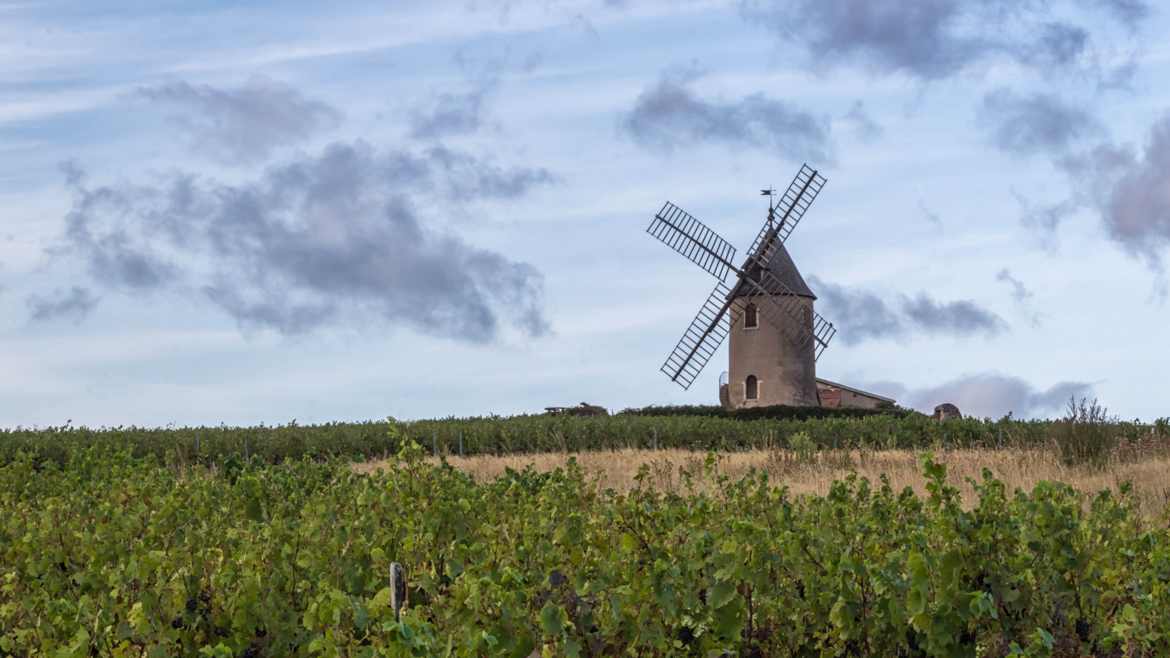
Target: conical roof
{"x":780,"y":265}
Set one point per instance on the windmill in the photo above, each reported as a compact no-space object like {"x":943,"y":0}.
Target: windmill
{"x":772,"y":363}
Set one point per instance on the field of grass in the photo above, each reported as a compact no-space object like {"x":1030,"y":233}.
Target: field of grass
{"x":814,"y":474}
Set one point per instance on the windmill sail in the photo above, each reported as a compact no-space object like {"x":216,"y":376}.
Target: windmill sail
{"x":803,"y":190}
{"x":688,"y":236}
{"x":823,"y":332}
{"x":702,"y":338}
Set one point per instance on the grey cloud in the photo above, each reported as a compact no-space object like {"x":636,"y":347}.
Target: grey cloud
{"x":1136,"y":210}
{"x":930,"y":39}
{"x":318,"y":241}
{"x":994,"y":395}
{"x":862,"y":315}
{"x":1128,"y":189}
{"x":959,"y":318}
{"x":451,"y":114}
{"x":244,"y":124}
{"x":74,"y":304}
{"x":866,"y":128}
{"x":270,"y":313}
{"x":1020,"y":292}
{"x":1036,"y":123}
{"x":116,"y":255}
{"x":669,"y":114}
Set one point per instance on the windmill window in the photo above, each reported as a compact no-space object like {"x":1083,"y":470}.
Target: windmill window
{"x":751,"y":318}
{"x":751,"y":388}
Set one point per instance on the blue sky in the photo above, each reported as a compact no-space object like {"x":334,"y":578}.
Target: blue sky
{"x":223,"y":213}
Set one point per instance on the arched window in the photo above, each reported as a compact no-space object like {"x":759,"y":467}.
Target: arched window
{"x":751,"y":388}
{"x":751,"y":318}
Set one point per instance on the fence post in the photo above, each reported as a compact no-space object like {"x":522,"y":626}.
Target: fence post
{"x":460,"y":443}
{"x":397,"y":589}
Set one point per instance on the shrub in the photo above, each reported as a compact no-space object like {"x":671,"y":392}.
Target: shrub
{"x":1086,"y":435}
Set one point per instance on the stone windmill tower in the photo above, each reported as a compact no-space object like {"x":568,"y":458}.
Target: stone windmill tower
{"x":776,"y":335}
{"x":766,"y":366}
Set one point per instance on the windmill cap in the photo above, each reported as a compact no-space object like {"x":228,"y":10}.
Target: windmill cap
{"x":783,"y":268}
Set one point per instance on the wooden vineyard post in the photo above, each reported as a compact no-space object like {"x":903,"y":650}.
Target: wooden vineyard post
{"x":397,"y":589}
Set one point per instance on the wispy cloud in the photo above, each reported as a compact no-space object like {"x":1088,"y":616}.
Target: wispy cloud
{"x":450,"y":114}
{"x":1037,"y":123}
{"x":669,"y":114}
{"x":1130,"y":12}
{"x":930,"y":215}
{"x":1043,"y":220}
{"x":316,"y":241}
{"x":1020,"y":292}
{"x":866,"y":129}
{"x":933,"y":39}
{"x":243,"y":124}
{"x":73,"y":304}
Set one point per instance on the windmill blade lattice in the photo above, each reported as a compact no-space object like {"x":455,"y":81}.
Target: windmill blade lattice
{"x":823,"y":332}
{"x":688,"y":236}
{"x":702,"y":337}
{"x":795,"y":201}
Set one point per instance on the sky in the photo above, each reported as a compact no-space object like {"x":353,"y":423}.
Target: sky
{"x":242,"y":213}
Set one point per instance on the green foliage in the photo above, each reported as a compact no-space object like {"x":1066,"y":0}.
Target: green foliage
{"x":1083,"y":438}
{"x":1086,"y":435}
{"x":113,"y":554}
{"x":803,"y":447}
{"x":775,"y":412}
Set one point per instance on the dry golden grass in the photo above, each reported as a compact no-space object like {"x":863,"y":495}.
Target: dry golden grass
{"x":1150,"y":475}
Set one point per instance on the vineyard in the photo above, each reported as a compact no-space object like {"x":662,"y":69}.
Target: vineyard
{"x":701,"y":429}
{"x":263,"y":542}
